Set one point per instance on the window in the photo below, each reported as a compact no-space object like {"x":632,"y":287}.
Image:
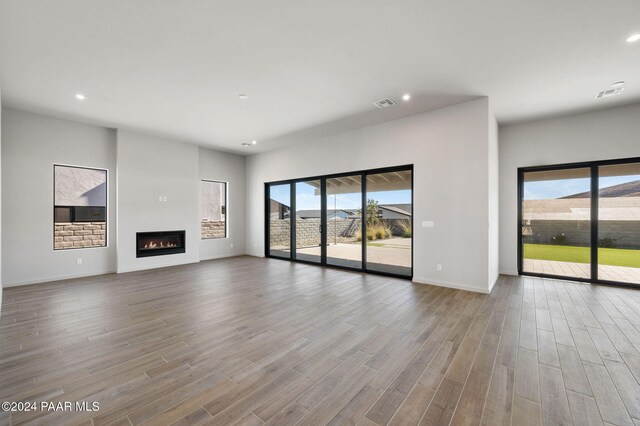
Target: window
{"x":581,"y":221}
{"x":80,"y":207}
{"x":357,"y":220}
{"x":213,"y":209}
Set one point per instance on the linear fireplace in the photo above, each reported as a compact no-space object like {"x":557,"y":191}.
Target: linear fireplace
{"x":160,"y":243}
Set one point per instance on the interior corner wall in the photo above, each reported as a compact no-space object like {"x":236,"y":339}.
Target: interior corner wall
{"x":31,"y":145}
{"x":599,"y":135}
{"x":149,"y":168}
{"x":449,"y":150}
{"x":494,"y":204}
{"x":229,"y":168}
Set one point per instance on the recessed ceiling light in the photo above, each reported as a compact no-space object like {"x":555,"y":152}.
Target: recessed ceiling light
{"x":243,"y":97}
{"x":633,"y":38}
{"x":253,"y":142}
{"x":80,"y":97}
{"x":618,"y":84}
{"x":245,"y":144}
{"x":406,"y":97}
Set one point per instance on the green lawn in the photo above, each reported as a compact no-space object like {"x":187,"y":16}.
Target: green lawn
{"x":606,"y":256}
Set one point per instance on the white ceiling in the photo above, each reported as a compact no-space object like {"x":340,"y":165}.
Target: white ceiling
{"x":175,"y":68}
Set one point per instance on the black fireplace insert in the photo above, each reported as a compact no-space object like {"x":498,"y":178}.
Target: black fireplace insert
{"x":160,"y":243}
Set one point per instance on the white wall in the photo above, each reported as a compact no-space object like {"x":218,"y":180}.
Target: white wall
{"x":150,"y":167}
{"x":31,"y":145}
{"x":230,"y":168}
{"x":449,"y":148}
{"x":1,"y":281}
{"x":600,"y":135}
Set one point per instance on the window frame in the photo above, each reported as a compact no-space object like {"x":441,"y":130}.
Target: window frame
{"x":106,"y":208}
{"x":323,"y":178}
{"x":594,"y":167}
{"x":226,"y":209}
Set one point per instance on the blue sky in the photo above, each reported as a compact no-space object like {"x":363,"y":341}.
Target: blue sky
{"x":307,"y":200}
{"x":547,"y":189}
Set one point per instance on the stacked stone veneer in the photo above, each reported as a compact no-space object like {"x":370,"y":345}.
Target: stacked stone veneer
{"x":80,"y":235}
{"x":308,"y":231}
{"x":212,"y":229}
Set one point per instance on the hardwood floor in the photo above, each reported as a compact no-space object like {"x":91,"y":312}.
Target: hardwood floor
{"x":252,"y":341}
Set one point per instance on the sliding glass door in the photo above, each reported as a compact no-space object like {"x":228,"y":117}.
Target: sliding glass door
{"x":619,"y":222}
{"x":344,"y":221}
{"x":581,"y":221}
{"x":279,"y":220}
{"x":556,"y":222}
{"x":388,"y":222}
{"x":358,"y":220}
{"x":308,"y":220}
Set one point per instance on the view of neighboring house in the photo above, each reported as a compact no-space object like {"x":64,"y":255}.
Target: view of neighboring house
{"x":385,"y":211}
{"x":279,"y":210}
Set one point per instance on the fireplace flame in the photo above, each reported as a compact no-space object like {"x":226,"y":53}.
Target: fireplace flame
{"x":154,"y":245}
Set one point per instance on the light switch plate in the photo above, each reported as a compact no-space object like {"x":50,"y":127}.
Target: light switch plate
{"x":428,"y":224}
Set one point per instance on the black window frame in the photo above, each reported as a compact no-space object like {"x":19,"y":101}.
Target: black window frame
{"x":323,"y":223}
{"x":106,"y":208}
{"x":225,"y":207}
{"x":594,"y":167}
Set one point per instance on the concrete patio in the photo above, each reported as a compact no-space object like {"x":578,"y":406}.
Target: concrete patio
{"x":582,"y":270}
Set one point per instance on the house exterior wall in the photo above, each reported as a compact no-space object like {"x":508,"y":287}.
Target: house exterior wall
{"x":212,"y":200}
{"x":77,"y":186}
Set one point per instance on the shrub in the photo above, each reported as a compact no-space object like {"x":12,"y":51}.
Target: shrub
{"x":405,"y":229}
{"x":358,"y":235}
{"x":607,"y":242}
{"x":559,"y":239}
{"x":377,"y":232}
{"x":381,"y":231}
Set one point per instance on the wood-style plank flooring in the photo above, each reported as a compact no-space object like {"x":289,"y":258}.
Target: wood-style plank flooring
{"x":251,"y":341}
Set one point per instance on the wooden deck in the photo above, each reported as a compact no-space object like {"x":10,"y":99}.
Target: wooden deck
{"x":251,"y":341}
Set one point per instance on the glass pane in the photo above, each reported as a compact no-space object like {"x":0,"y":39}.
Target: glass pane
{"x":213,"y":198}
{"x":308,"y":220}
{"x":80,"y":208}
{"x":389,"y":222}
{"x":344,"y":221}
{"x":556,"y":222}
{"x":280,"y":220}
{"x":619,"y":223}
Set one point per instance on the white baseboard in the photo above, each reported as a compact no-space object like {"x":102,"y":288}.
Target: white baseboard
{"x":512,"y":273}
{"x":58,"y":278}
{"x":450,"y":285}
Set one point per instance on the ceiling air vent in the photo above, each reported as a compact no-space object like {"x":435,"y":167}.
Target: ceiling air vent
{"x":384,"y":103}
{"x":610,"y":92}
